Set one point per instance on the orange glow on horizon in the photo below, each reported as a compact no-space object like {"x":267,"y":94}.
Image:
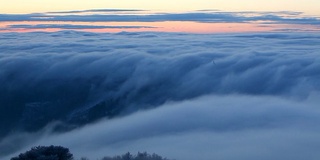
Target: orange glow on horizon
{"x":169,"y":26}
{"x":310,"y":7}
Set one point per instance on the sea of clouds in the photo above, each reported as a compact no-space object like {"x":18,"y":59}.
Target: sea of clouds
{"x":183,"y":96}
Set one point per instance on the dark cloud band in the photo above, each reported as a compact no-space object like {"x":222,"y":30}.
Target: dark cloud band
{"x":69,"y":26}
{"x":284,"y":17}
{"x":98,"y":10}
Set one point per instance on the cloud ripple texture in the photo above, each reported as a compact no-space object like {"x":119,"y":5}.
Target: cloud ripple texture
{"x":226,"y":94}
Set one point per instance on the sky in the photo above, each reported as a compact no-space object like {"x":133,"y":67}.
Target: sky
{"x":19,"y":6}
{"x":298,"y":16}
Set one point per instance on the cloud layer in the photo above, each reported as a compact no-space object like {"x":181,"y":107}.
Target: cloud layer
{"x":283,"y":17}
{"x":69,"y":26}
{"x":211,"y":127}
{"x":255,"y":89}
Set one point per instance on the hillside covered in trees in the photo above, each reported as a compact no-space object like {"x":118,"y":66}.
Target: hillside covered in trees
{"x":62,"y":153}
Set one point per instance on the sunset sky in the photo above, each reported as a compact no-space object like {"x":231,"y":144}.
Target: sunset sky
{"x":30,"y":6}
{"x":165,"y":16}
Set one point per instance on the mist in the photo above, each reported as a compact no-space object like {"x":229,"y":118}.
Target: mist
{"x":209,"y":127}
{"x":183,"y":96}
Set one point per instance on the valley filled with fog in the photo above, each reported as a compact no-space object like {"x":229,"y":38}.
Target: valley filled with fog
{"x":184,"y":96}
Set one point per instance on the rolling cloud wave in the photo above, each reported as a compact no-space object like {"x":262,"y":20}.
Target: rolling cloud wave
{"x":222,"y":127}
{"x":78,"y":78}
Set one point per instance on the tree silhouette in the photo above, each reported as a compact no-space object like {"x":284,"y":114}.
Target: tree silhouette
{"x":61,"y":153}
{"x":139,"y":156}
{"x":45,"y":153}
